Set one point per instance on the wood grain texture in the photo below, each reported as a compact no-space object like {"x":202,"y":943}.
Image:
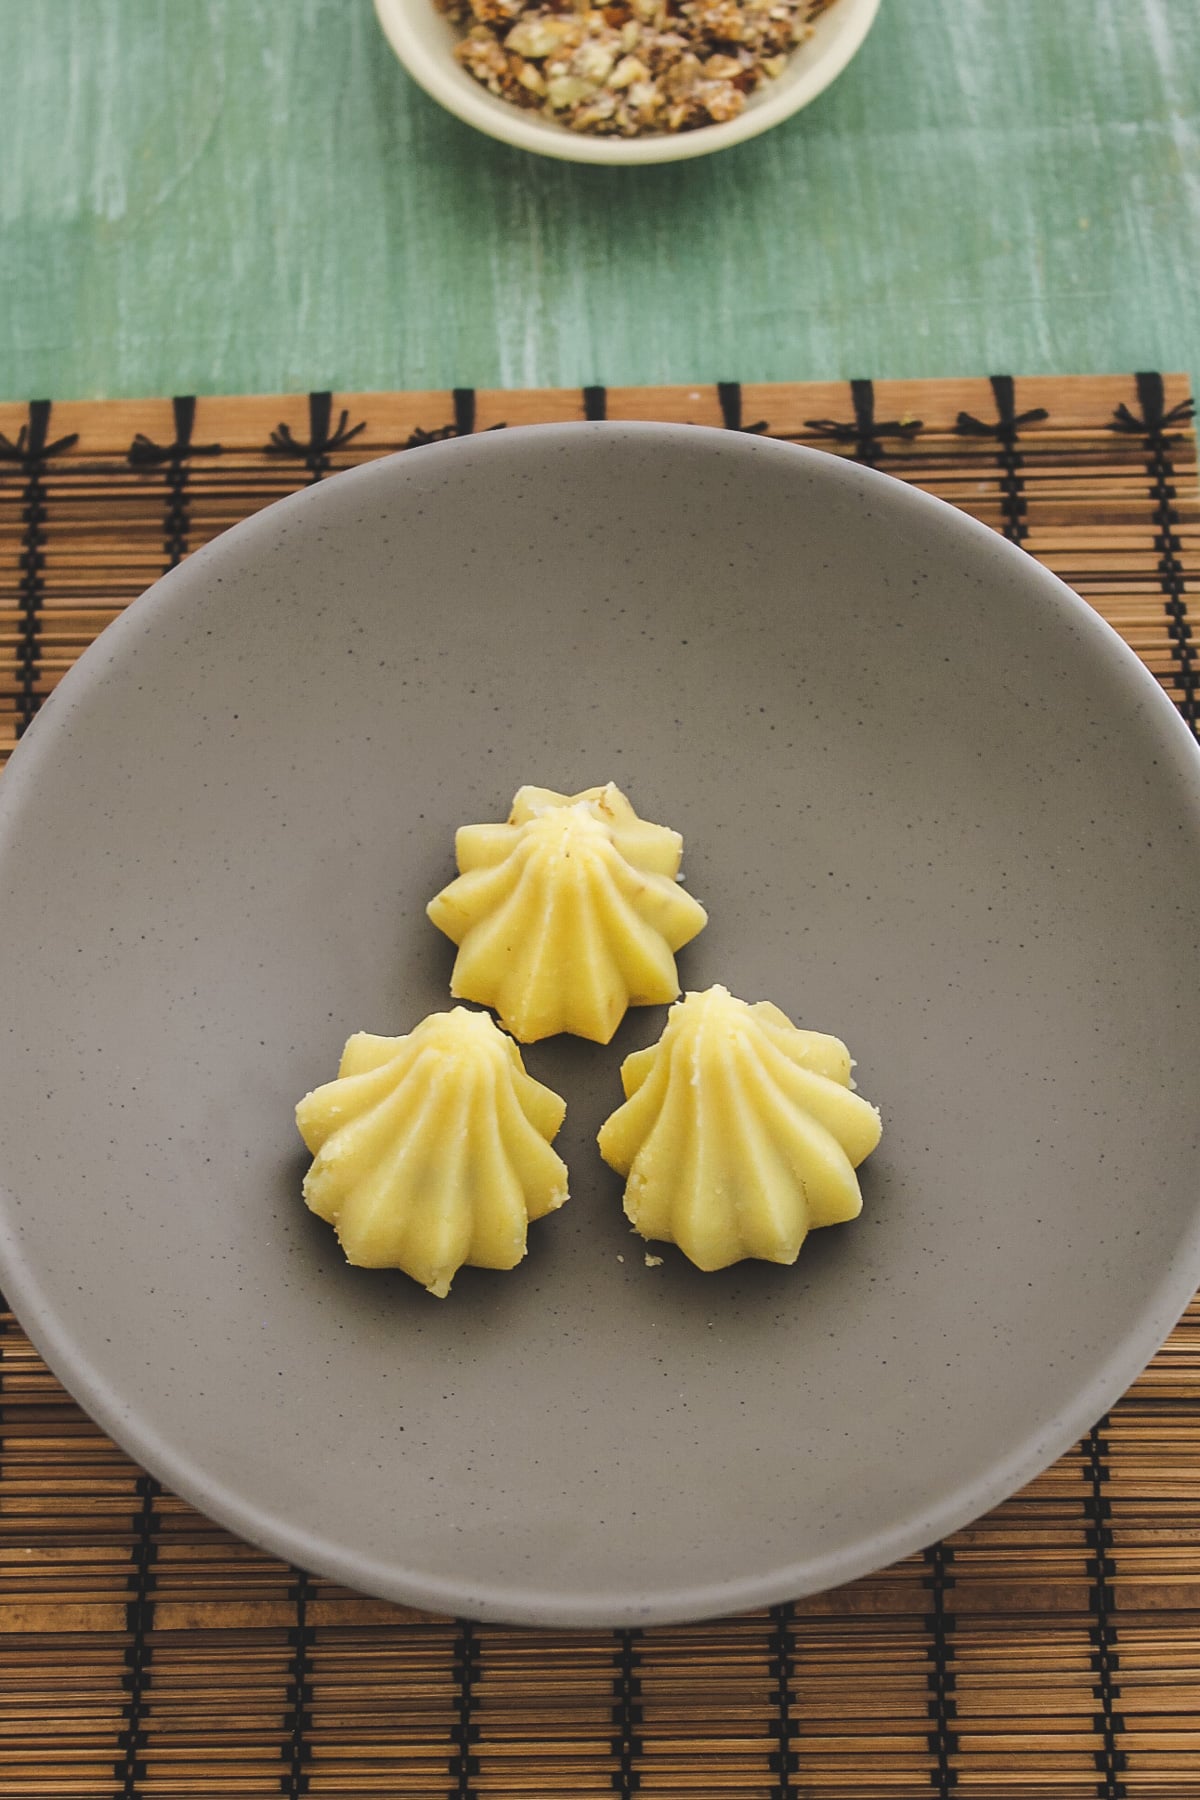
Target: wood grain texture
{"x":251,"y":196}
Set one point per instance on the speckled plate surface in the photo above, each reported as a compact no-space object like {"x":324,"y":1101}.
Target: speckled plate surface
{"x":932,"y":804}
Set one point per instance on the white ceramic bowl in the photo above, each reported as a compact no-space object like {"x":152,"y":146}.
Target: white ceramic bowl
{"x":424,"y":40}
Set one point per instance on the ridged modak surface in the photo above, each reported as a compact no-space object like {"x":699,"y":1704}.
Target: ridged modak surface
{"x":739,"y":1134}
{"x":567,"y":914}
{"x":433,"y":1150}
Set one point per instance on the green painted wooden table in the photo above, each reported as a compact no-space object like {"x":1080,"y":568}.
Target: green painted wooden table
{"x":251,"y":195}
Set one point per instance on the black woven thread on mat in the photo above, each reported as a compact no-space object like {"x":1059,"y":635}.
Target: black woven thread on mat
{"x":783,"y":1761}
{"x":864,"y":431}
{"x":1102,"y":1569}
{"x":296,"y":1750}
{"x":144,"y":453}
{"x":462,"y":425}
{"x":943,"y":1708}
{"x":464,"y":1733}
{"x":626,"y":1714}
{"x":729,"y":395}
{"x":595,"y":403}
{"x":130,"y":1766}
{"x":1011,"y":463}
{"x":31,"y":453}
{"x":315,"y":452}
{"x":1154,"y":426}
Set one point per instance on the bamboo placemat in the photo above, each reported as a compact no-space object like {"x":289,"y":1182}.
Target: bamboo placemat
{"x":1053,"y":1648}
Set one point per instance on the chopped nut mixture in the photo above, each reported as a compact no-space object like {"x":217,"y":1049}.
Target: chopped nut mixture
{"x":633,"y":67}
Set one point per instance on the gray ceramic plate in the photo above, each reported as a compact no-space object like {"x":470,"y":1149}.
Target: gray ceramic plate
{"x":932,"y":804}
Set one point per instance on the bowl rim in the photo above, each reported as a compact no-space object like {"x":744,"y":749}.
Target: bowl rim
{"x":50,"y":1330}
{"x":474,"y":105}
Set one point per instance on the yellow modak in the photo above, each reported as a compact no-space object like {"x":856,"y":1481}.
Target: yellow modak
{"x":739,"y":1134}
{"x":568,"y":914}
{"x":433,"y":1150}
